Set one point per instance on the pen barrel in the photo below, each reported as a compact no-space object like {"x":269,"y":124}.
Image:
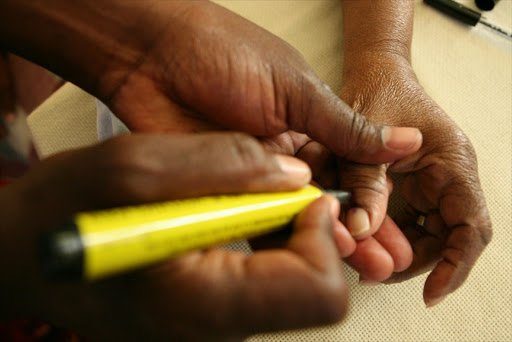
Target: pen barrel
{"x":118,"y":240}
{"x":456,"y":11}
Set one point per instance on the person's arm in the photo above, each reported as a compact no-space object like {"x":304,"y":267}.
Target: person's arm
{"x":371,"y":28}
{"x":79,"y":40}
{"x":442,"y":180}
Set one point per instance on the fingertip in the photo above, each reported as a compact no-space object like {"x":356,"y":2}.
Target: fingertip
{"x":317,"y":211}
{"x":389,"y":184}
{"x":344,"y":241}
{"x":371,"y":260}
{"x":313,"y":235}
{"x":441,"y":282}
{"x":430,"y":302}
{"x":294,"y":168}
{"x":402,"y":139}
{"x":368,"y":282}
{"x":403,"y":258}
{"x":395,"y":242}
{"x":358,"y":223}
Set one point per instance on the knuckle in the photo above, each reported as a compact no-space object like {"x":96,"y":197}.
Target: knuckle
{"x":360,"y":136}
{"x":486,"y":232}
{"x":454,"y":144}
{"x":368,"y":184}
{"x":129,"y":164}
{"x":367,"y":178}
{"x":247,"y":155}
{"x":305,"y":100}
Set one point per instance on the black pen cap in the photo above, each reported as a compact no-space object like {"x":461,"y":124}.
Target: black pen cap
{"x":486,"y":5}
{"x":456,"y":11}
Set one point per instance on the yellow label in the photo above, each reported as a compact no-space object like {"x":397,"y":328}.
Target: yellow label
{"x":126,"y":238}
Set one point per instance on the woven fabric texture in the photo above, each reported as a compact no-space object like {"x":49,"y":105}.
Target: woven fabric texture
{"x":468,"y":71}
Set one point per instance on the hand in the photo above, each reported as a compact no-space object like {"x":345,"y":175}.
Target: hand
{"x":176,"y":66}
{"x":207,"y":295}
{"x":441,"y":179}
{"x":210,"y":69}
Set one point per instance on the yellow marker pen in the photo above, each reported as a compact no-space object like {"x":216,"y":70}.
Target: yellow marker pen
{"x":99,"y":244}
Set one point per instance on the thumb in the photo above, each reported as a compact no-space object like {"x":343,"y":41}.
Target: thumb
{"x":327,"y":119}
{"x":370,"y":189}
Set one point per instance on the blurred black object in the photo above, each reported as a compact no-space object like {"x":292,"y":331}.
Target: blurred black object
{"x":486,"y":5}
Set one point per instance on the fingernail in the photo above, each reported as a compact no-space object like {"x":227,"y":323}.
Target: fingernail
{"x":294,"y":167}
{"x":358,"y":221}
{"x":344,"y":241}
{"x":335,"y":210}
{"x":367,"y":282}
{"x":432,"y":302}
{"x":400,"y":138}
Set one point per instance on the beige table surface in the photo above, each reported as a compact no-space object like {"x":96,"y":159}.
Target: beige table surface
{"x":468,"y":71}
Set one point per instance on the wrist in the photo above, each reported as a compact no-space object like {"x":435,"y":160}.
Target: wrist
{"x":376,"y":28}
{"x":376,"y":68}
{"x":368,"y":54}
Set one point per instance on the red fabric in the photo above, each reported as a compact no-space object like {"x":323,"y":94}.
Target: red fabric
{"x":34,"y":331}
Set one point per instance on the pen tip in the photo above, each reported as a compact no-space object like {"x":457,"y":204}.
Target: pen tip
{"x":342,"y":196}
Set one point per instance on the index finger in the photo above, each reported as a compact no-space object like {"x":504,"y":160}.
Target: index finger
{"x":307,"y":286}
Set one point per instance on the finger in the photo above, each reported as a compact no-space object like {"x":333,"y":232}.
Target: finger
{"x":426,"y":253}
{"x":308,"y":237}
{"x":395,"y":242}
{"x":470,"y":232}
{"x":277,"y":239}
{"x":426,"y":245}
{"x":319,"y":293}
{"x":322,"y":163}
{"x":303,"y":285}
{"x":137,"y":169}
{"x":289,"y":142}
{"x":372,"y":261}
{"x":370,"y":191}
{"x":344,"y":241}
{"x":327,"y":119}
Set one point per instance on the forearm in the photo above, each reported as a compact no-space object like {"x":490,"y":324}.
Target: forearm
{"x":79,"y":40}
{"x":373,"y":27}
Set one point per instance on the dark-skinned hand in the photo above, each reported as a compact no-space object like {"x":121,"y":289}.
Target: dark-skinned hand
{"x":441,"y":179}
{"x":205,"y":295}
